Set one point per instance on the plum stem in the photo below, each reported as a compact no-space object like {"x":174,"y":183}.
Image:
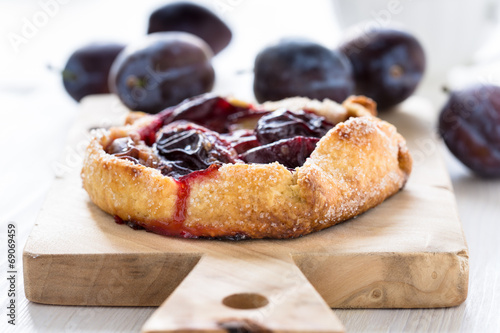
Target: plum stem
{"x":396,"y":71}
{"x":66,"y":74}
{"x":133,"y":81}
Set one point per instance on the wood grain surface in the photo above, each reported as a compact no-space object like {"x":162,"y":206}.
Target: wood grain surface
{"x":290,"y":303}
{"x":408,"y":252}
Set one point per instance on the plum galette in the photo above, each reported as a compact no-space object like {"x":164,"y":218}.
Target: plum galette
{"x":216,"y":167}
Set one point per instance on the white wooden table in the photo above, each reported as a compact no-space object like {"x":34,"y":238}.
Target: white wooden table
{"x":36,"y":114}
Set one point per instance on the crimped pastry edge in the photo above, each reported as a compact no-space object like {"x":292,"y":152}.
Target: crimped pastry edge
{"x":355,"y":166}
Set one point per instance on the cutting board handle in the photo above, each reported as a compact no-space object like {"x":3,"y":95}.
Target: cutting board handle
{"x":254,"y":293}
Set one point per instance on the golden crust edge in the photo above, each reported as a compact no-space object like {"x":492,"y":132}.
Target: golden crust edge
{"x":295,"y":204}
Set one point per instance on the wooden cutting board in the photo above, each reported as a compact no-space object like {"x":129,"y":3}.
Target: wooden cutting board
{"x":409,"y":252}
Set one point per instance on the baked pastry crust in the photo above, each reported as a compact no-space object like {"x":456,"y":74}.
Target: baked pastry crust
{"x":355,"y":166}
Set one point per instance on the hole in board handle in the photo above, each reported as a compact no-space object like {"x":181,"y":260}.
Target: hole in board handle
{"x":245,"y":301}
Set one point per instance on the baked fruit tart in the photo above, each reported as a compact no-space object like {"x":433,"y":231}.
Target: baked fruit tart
{"x":215,"y":167}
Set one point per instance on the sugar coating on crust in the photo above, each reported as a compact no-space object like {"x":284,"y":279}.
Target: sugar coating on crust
{"x":354,"y":106}
{"x":120,"y":187}
{"x":355,"y":166}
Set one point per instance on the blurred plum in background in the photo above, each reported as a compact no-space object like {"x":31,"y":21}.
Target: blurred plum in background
{"x":192,"y":18}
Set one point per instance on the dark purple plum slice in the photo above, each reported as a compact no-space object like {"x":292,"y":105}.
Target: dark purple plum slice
{"x":283,"y":124}
{"x":291,"y":153}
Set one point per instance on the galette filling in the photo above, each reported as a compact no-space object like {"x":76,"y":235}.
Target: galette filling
{"x":210,"y":130}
